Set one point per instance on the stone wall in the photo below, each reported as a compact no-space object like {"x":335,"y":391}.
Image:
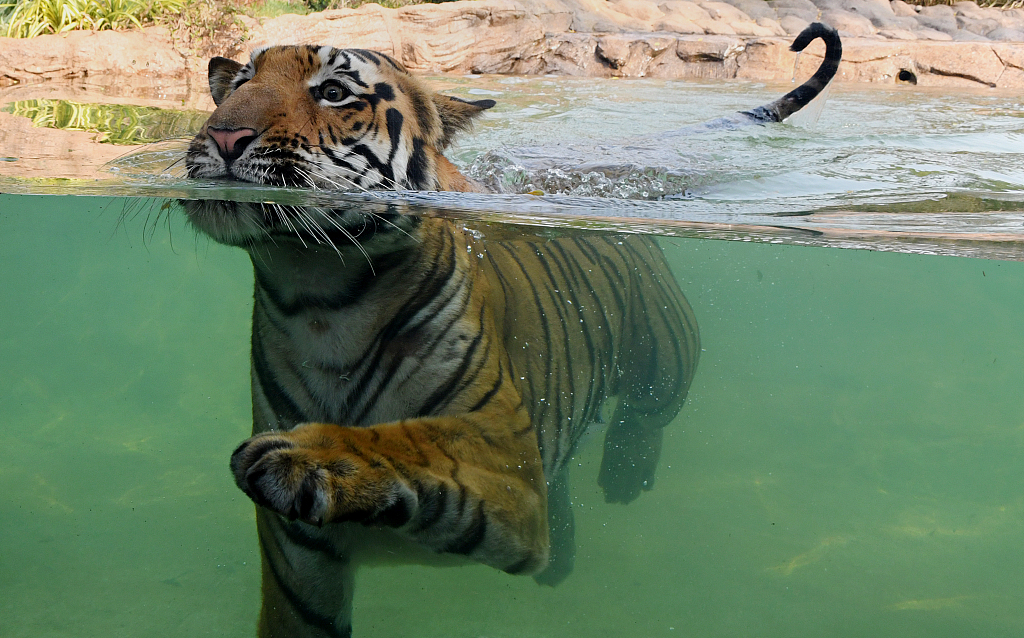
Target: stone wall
{"x":884,"y":41}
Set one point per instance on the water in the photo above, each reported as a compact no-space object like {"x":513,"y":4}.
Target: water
{"x":847,"y":463}
{"x":868,"y":169}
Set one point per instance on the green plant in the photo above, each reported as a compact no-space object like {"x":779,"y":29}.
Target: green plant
{"x":274,"y":8}
{"x":323,"y":5}
{"x":28,"y":18}
{"x":114,"y":123}
{"x":996,"y":4}
{"x":200,"y":27}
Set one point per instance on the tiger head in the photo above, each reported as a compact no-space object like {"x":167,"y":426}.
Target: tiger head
{"x":318,"y":117}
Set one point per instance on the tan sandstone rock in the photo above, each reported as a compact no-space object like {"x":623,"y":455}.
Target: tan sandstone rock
{"x":82,"y":53}
{"x":738,"y":21}
{"x":676,"y":23}
{"x":689,"y":10}
{"x":645,"y":10}
{"x":902,"y":9}
{"x":628,"y":38}
{"x":848,"y":24}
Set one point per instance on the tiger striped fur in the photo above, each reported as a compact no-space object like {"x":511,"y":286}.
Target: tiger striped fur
{"x":417,"y":390}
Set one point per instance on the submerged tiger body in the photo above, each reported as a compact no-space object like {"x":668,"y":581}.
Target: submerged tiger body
{"x":417,"y":390}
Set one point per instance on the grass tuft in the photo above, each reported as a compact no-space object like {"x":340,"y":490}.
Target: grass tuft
{"x":27,"y":18}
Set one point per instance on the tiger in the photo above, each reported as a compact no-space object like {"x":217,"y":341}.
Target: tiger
{"x":418,"y":389}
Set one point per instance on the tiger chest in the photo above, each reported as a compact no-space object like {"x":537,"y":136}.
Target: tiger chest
{"x":363,"y":364}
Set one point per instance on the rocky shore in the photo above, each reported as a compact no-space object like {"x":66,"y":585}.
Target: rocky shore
{"x":884,"y":41}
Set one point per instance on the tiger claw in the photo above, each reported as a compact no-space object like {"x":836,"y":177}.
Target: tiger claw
{"x":250,"y":452}
{"x":275,"y":474}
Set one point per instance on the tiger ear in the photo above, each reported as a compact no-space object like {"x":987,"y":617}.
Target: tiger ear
{"x":222,"y":73}
{"x":457,"y":115}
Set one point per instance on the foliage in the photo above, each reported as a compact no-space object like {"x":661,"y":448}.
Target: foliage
{"x":323,"y":5}
{"x":274,"y":8}
{"x":27,"y":18}
{"x":115,"y":123}
{"x":996,"y":4}
{"x":200,"y":28}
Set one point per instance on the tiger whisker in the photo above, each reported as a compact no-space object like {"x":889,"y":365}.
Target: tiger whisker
{"x":311,"y":226}
{"x":282,"y":215}
{"x":348,"y":235}
{"x":175,"y":163}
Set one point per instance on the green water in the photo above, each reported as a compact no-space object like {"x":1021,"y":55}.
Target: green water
{"x":848,"y":463}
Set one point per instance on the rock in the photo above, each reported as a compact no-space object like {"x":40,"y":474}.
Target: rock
{"x":880,"y":13}
{"x":940,"y":17}
{"x":972,"y":61}
{"x":1017,"y":15}
{"x":773,"y":25}
{"x":597,"y":16}
{"x":793,"y":24}
{"x":873,"y":61}
{"x":902,"y":9}
{"x":705,"y":39}
{"x":897,"y":34}
{"x":366,"y":27}
{"x":489,"y":36}
{"x":710,"y":57}
{"x":151,"y":56}
{"x":896,"y":22}
{"x":566,"y":54}
{"x":676,"y":23}
{"x":630,"y":56}
{"x":724,"y":11}
{"x":937,"y":11}
{"x":803,"y":9}
{"x":640,"y":9}
{"x":1003,"y":34}
{"x":689,"y":10}
{"x":613,"y":50}
{"x":737,"y":22}
{"x":971,"y":11}
{"x":980,"y":26}
{"x":756,"y":9}
{"x":592,"y":23}
{"x":963,"y":35}
{"x":848,"y":24}
{"x":924,"y":33}
{"x":760,"y":55}
{"x":870,"y":9}
{"x":717,"y":27}
{"x":1011,"y":78}
{"x":1011,"y":56}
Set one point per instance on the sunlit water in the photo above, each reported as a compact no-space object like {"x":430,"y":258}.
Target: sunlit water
{"x":847,"y":464}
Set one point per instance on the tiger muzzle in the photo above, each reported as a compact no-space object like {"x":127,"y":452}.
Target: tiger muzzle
{"x":231,"y":142}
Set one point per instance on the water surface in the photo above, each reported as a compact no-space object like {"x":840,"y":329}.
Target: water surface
{"x":896,"y":168}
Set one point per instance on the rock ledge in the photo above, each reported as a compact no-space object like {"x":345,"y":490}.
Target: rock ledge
{"x":884,"y":42}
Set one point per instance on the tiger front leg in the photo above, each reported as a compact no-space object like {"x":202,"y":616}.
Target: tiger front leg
{"x":464,"y":485}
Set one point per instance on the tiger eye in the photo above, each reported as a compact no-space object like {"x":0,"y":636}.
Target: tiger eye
{"x":331,"y":91}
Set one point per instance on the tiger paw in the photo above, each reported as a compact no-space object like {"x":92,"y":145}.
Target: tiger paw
{"x":301,"y":475}
{"x":629,"y":461}
{"x":276,"y":473}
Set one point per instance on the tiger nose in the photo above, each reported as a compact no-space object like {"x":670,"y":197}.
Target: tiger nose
{"x":231,"y":143}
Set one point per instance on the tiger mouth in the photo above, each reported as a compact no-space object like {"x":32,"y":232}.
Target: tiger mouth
{"x":281,"y":172}
{"x":241,"y":223}
{"x":246,"y":224}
